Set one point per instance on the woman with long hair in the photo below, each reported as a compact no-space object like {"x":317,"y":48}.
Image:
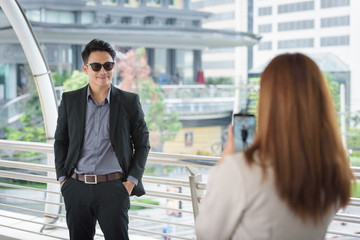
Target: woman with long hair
{"x":291,"y":181}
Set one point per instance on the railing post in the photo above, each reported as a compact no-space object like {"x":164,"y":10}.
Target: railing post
{"x":194,"y":179}
{"x":51,"y":197}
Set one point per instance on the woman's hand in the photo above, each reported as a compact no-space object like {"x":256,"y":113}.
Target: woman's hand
{"x":230,"y":148}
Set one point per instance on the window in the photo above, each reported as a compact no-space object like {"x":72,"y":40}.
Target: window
{"x":265,"y":45}
{"x":160,"y":59}
{"x":131,"y":3}
{"x":90,"y":2}
{"x":126,"y":20}
{"x":297,"y":25}
{"x":64,"y":17}
{"x":196,"y":23}
{"x":296,"y":43}
{"x":87,"y":17}
{"x":109,"y":2}
{"x":33,"y":15}
{"x":170,"y":21}
{"x":265,"y":28}
{"x":334,"y":3}
{"x":153,"y":3}
{"x":184,"y":66}
{"x":296,"y":7}
{"x":335,"y":41}
{"x":149,"y":20}
{"x":335,"y":21}
{"x":264,"y":11}
{"x":178,"y":4}
{"x":222,"y":16}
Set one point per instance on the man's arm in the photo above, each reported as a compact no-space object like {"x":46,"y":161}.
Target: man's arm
{"x":140,"y":138}
{"x":61,"y":143}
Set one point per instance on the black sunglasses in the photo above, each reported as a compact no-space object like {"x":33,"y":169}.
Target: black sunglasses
{"x":108,"y":66}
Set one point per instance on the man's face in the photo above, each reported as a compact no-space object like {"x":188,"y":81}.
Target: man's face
{"x":103,"y":77}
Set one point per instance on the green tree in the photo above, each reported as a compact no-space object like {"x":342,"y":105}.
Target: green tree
{"x":135,"y":72}
{"x":356,"y":119}
{"x":30,"y":127}
{"x":334,"y":89}
{"x":253,"y":96}
{"x":219,"y":80}
{"x":159,"y":121}
{"x":59,"y":78}
{"x":76,"y":80}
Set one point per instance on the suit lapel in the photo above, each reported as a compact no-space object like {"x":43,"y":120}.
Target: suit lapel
{"x":81,"y":110}
{"x":114,"y":112}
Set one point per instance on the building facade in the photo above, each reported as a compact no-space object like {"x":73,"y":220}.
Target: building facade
{"x":324,"y":29}
{"x":170,"y":30}
{"x":229,"y":15}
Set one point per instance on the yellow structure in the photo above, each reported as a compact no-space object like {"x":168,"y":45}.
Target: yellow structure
{"x":197,"y":140}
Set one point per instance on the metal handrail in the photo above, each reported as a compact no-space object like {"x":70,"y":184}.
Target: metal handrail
{"x":28,"y":188}
{"x":154,"y":157}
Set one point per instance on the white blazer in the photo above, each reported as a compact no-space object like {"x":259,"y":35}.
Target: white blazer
{"x":240,"y":204}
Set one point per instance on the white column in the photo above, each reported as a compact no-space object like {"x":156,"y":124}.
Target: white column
{"x":240,"y":64}
{"x":42,"y":78}
{"x":343,"y":115}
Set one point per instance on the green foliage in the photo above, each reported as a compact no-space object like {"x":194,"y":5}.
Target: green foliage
{"x":355,"y":190}
{"x":353,"y":137}
{"x":219,"y":80}
{"x":59,"y":79}
{"x":334,"y":89}
{"x":156,"y":117}
{"x":140,"y":52}
{"x":26,"y":184}
{"x":28,"y":133}
{"x":355,"y":159}
{"x":32,"y":128}
{"x":356,"y":119}
{"x":144,"y":200}
{"x":254,"y":96}
{"x":76,"y":80}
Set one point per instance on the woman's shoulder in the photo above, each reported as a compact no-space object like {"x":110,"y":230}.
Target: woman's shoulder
{"x":239,"y":161}
{"x":251,"y":173}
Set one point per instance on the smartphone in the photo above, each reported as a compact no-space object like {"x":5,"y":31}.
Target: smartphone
{"x":244,"y":130}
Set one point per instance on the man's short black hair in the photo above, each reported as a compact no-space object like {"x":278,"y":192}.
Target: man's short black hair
{"x":97,"y":45}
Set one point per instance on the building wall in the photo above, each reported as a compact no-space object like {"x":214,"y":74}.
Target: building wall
{"x":310,"y":27}
{"x":227,"y":15}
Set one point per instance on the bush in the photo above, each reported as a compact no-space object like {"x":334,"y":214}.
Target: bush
{"x":147,"y":201}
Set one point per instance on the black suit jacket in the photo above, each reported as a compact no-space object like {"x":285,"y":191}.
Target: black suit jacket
{"x":129,"y":135}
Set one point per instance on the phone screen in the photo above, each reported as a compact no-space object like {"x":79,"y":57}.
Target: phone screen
{"x":244,"y":130}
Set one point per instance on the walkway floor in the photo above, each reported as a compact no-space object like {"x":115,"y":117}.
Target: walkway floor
{"x":27,"y":227}
{"x":9,"y":228}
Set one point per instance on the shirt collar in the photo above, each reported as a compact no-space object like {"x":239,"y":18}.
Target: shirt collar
{"x":89,"y":96}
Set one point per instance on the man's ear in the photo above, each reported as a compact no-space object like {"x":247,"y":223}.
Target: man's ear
{"x":85,"y":69}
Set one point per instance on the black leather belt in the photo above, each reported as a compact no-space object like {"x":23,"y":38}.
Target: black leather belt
{"x":94,"y":179}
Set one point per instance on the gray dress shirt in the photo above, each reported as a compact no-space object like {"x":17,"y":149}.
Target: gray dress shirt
{"x":97,"y":155}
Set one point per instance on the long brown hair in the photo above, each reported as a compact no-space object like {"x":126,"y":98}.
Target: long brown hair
{"x":298,"y":134}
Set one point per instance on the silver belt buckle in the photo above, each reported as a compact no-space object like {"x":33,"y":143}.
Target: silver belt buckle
{"x":88,"y":182}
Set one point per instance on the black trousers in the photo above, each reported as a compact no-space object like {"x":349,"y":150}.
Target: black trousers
{"x":107,"y":202}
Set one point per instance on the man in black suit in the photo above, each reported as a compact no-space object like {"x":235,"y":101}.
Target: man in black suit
{"x":101,"y":147}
